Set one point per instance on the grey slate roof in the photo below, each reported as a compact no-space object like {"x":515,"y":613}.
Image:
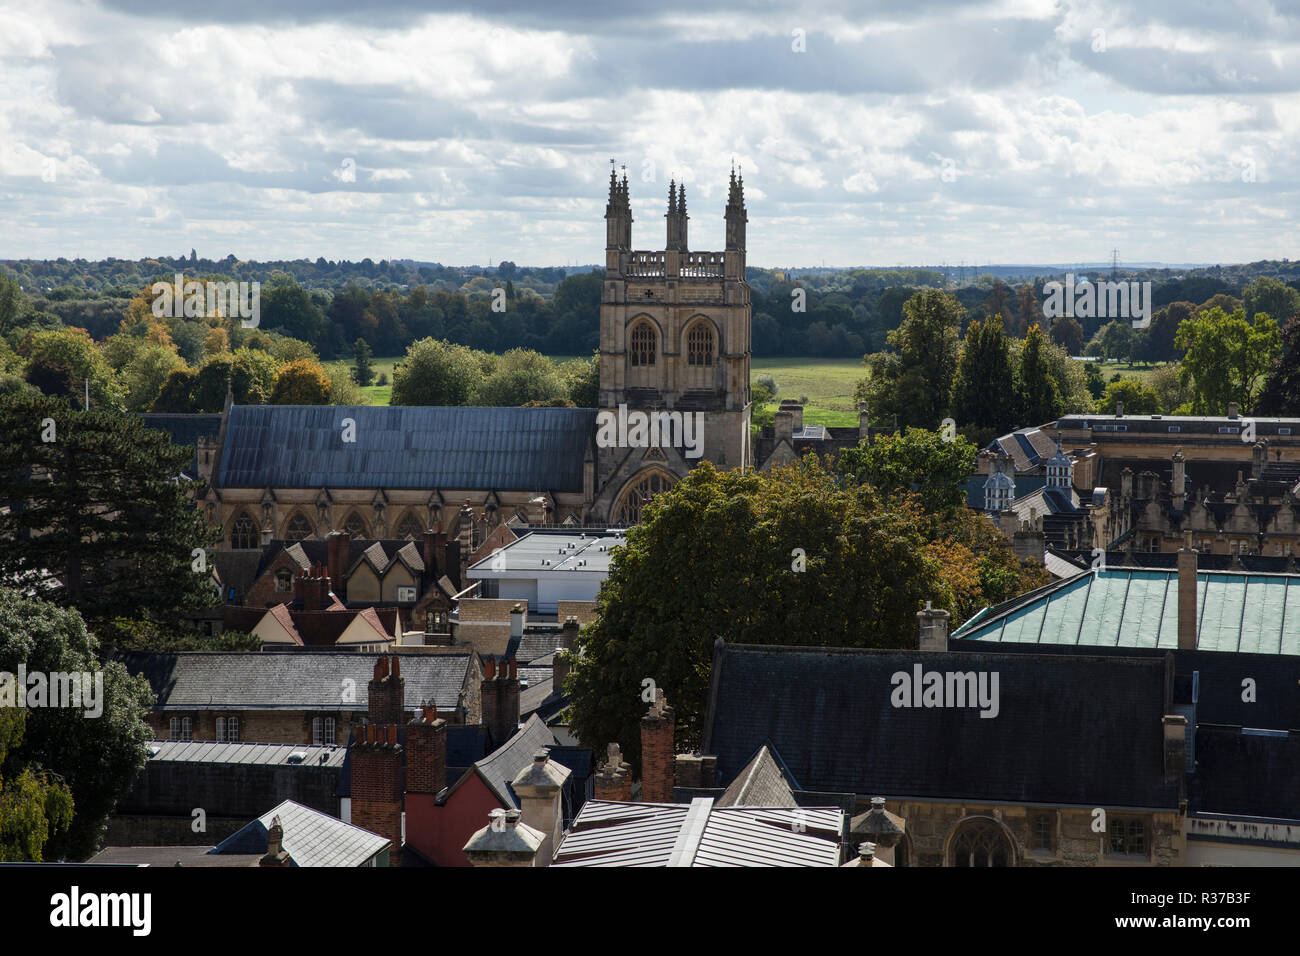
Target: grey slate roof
{"x":760,"y":784}
{"x":185,"y":429}
{"x":204,"y":680}
{"x":1073,"y":731}
{"x":311,"y":838}
{"x":294,"y":446}
{"x":501,"y":766}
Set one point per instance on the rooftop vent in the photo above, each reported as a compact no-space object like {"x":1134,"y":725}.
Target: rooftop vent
{"x":298,"y":756}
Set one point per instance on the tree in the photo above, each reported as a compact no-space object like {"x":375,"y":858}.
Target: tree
{"x":13,"y":305}
{"x":1117,"y":341}
{"x":1039,"y":396}
{"x":34,"y":805}
{"x":866,"y":576}
{"x":97,"y":514}
{"x":1281,"y":392}
{"x":303,"y":382}
{"x":522,"y":376}
{"x":146,"y":372}
{"x":1031,"y":313}
{"x":583,"y":378}
{"x":1272,"y":297}
{"x":913,"y":383}
{"x":97,"y":758}
{"x":1137,"y":397}
{"x":1157,"y":343}
{"x":363,"y":373}
{"x":983,"y":394}
{"x":1068,"y":334}
{"x":1227,"y":358}
{"x":916,"y":462}
{"x":287,"y":308}
{"x":66,"y":363}
{"x":177,"y":392}
{"x":435,"y":373}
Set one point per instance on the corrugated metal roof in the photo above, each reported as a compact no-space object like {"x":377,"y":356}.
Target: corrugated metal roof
{"x":607,"y":833}
{"x":1138,"y":608}
{"x":301,"y":446}
{"x":206,"y":751}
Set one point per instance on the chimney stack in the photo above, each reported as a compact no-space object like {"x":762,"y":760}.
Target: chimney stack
{"x":559,"y":670}
{"x":864,"y":429}
{"x":1187,"y":599}
{"x":614,"y":781}
{"x":538,"y":787}
{"x":569,"y":634}
{"x":784,"y":425}
{"x":500,"y":699}
{"x":466,"y":539}
{"x":505,"y":841}
{"x":377,"y":786}
{"x":518,"y":617}
{"x":933,"y":634}
{"x":275,"y":853}
{"x":336,"y":548}
{"x":657,"y":758}
{"x":386,"y":692}
{"x":311,"y":589}
{"x":426,"y":752}
{"x":1175,"y":726}
{"x":1232,"y":410}
{"x":1178,"y":486}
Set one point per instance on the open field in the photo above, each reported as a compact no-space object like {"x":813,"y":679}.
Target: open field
{"x":1140,"y":371}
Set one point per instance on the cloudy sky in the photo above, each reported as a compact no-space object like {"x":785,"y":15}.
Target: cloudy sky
{"x":903,"y":133}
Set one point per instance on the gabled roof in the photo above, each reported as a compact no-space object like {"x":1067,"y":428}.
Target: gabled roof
{"x":207,"y":680}
{"x":1069,"y":730}
{"x":1138,"y":607}
{"x":311,"y":838}
{"x":760,"y":784}
{"x":500,"y":767}
{"x":702,"y":833}
{"x":294,"y":446}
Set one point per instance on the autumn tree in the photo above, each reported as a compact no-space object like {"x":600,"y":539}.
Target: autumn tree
{"x":303,"y":382}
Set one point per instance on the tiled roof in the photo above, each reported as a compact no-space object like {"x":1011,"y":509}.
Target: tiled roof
{"x":702,"y":833}
{"x":311,"y":838}
{"x":205,"y":680}
{"x":291,"y":446}
{"x":1069,"y":730}
{"x":1130,"y":607}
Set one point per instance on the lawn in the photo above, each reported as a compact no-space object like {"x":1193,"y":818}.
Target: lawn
{"x":1140,"y":371}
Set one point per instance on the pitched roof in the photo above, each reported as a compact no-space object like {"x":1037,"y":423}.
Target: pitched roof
{"x":185,"y":429}
{"x":760,"y":784}
{"x":1069,"y":730}
{"x":277,"y":755}
{"x":323,"y":628}
{"x":607,"y":833}
{"x":1138,"y":607}
{"x":293,"y":446}
{"x":205,"y":680}
{"x":501,"y":766}
{"x":311,"y":838}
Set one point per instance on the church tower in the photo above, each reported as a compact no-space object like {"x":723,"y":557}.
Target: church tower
{"x":674,"y":342}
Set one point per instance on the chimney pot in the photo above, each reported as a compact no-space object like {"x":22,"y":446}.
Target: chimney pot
{"x":866,"y":853}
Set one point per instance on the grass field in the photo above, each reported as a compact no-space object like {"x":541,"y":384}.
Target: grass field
{"x":828,"y":383}
{"x":1141,"y":372}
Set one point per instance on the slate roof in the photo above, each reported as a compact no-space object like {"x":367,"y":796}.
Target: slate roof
{"x":185,"y":429}
{"x":294,"y":446}
{"x":311,"y":838}
{"x":500,"y":767}
{"x":760,"y":784}
{"x":205,"y":680}
{"x":608,"y":833}
{"x":1131,"y":607}
{"x":1246,"y":773}
{"x":1070,"y":730}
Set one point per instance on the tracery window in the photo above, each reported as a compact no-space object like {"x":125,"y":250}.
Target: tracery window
{"x":644,"y":345}
{"x":699,"y":345}
{"x":243,"y":533}
{"x":299,"y":528}
{"x":639,"y":494}
{"x":354,"y":526}
{"x":981,"y":842}
{"x":410,"y":528}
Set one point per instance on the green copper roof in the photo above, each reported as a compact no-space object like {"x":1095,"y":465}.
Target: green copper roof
{"x":1123,"y":607}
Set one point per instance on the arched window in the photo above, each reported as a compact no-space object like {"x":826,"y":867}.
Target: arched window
{"x":980,"y":842}
{"x":355,"y":527}
{"x":243,"y":533}
{"x":410,"y":527}
{"x":644,"y":344}
{"x":699,"y":344}
{"x":637,"y":494}
{"x":298,"y":528}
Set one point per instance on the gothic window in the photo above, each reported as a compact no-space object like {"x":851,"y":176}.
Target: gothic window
{"x":410,"y":527}
{"x":980,"y":842}
{"x":298,"y":528}
{"x":354,"y":526}
{"x":699,"y":344}
{"x":243,"y":533}
{"x":638,"y":494}
{"x":644,"y":344}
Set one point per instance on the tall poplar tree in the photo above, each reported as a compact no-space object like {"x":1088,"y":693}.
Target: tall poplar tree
{"x":984,"y":393}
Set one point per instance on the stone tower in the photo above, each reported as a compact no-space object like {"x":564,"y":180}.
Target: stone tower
{"x":674,"y":342}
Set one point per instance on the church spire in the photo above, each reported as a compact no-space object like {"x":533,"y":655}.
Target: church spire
{"x":736,"y":215}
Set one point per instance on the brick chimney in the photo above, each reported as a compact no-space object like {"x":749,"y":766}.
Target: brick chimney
{"x":569,"y":633}
{"x":336,"y":547}
{"x":933,"y":634}
{"x":695,"y":772}
{"x":657,"y":758}
{"x":426,"y":752}
{"x":377,"y":785}
{"x":559,"y":670}
{"x":386,"y":692}
{"x":614,"y":782}
{"x":538,"y":787}
{"x":500,"y":699}
{"x":505,"y":841}
{"x":435,"y":553}
{"x":311,"y":589}
{"x":1187,"y":599}
{"x":1232,"y":410}
{"x":275,"y":854}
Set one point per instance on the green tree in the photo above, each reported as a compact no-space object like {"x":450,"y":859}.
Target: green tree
{"x":252,"y":376}
{"x":146,"y":372}
{"x":912,"y":384}
{"x":1039,"y":395}
{"x":866,"y":576}
{"x":13,"y":305}
{"x":1227,"y":358}
{"x":1271,"y":296}
{"x":288,"y":308}
{"x":177,"y":392}
{"x":435,"y":373}
{"x":97,"y":757}
{"x":916,"y":462}
{"x":66,"y":363}
{"x":1137,"y":397}
{"x":34,"y":805}
{"x":303,"y":382}
{"x":363,"y":372}
{"x":97,"y":517}
{"x":1068,"y":334}
{"x":983,"y":393}
{"x":582,"y":377}
{"x":522,"y":376}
